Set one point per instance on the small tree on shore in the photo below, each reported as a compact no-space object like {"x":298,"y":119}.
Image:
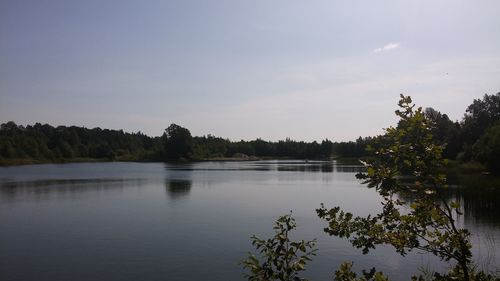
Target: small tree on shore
{"x":407,"y":165}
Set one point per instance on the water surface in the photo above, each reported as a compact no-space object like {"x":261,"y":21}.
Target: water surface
{"x":155,"y":221}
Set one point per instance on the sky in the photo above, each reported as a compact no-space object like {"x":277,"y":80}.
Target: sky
{"x":269,"y":69}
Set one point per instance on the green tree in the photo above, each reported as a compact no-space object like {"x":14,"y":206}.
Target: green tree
{"x":178,"y":142}
{"x":479,"y":116}
{"x":282,"y":259}
{"x":345,"y":273}
{"x":487,"y":149}
{"x":445,"y":132}
{"x":326,"y":148}
{"x":409,"y":152}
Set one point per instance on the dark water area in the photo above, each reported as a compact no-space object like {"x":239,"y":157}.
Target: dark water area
{"x":155,"y":221}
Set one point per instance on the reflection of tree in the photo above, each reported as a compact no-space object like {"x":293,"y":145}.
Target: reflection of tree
{"x":325,"y":167}
{"x":177,"y":188}
{"x":349,"y":168}
{"x":46,"y":188}
{"x":476,"y":194}
{"x":477,"y":205}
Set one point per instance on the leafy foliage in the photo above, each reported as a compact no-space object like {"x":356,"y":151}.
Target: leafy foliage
{"x":406,"y":165}
{"x":415,"y":216}
{"x":487,"y":149}
{"x":445,"y":132}
{"x":345,"y":273}
{"x":282,"y":259}
{"x":472,"y":138}
{"x":480,"y":115}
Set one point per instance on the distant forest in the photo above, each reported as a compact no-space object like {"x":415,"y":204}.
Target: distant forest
{"x":474,"y":138}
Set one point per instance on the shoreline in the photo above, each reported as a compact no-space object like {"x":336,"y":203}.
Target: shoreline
{"x":31,"y":161}
{"x":452,"y":167}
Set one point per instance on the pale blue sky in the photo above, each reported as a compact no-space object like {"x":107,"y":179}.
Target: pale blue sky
{"x":308,"y":70}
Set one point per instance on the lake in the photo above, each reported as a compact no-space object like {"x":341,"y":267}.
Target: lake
{"x":157,"y":221}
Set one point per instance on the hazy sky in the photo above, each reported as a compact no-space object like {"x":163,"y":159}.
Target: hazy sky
{"x":308,"y":70}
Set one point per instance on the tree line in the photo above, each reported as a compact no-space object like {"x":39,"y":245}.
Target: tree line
{"x":475,"y":138}
{"x":46,"y":143}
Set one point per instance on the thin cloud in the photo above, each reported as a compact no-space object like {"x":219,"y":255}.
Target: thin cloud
{"x":388,"y":47}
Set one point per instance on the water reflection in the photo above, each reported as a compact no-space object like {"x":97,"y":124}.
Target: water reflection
{"x":339,"y":166}
{"x":478,"y":196}
{"x":177,"y":188}
{"x":178,"y":181}
{"x":307,"y":167}
{"x":46,"y":188}
{"x":478,"y":206}
{"x":349,"y":168}
{"x":123,"y":232}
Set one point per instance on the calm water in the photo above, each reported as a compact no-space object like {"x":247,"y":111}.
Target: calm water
{"x":155,"y":221}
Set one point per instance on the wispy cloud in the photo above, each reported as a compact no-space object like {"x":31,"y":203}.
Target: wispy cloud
{"x":388,"y":47}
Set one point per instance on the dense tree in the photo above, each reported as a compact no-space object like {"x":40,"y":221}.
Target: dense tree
{"x":430,"y":225}
{"x":240,"y":147}
{"x":445,"y":132}
{"x":326,"y":149}
{"x":207,"y":147}
{"x":352,"y":148}
{"x":480,"y":115}
{"x":178,"y":143}
{"x":487,"y":149}
{"x":263,"y":148}
{"x":46,"y":143}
